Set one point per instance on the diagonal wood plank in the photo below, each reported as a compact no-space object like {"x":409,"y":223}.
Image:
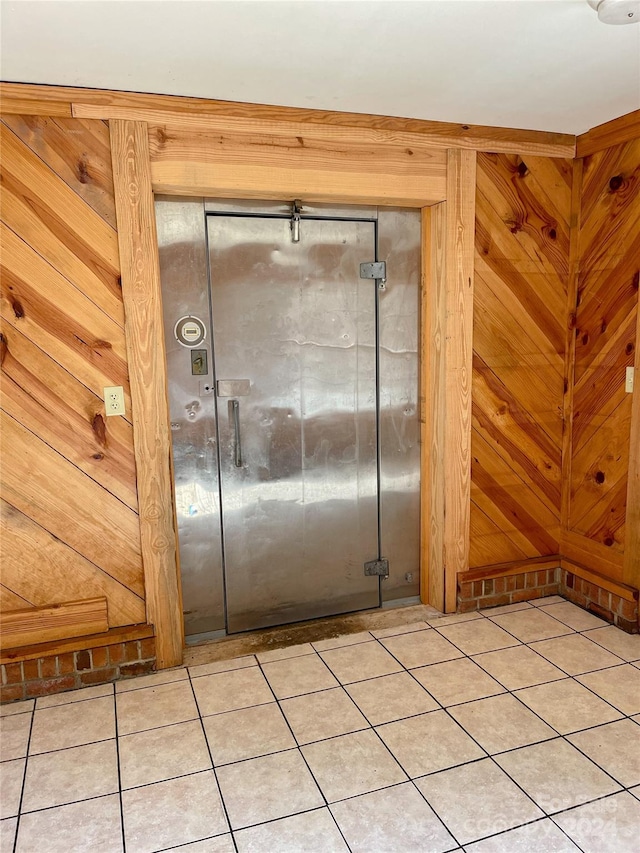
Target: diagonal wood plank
{"x":52,"y":313}
{"x":50,"y":237}
{"x":69,"y":575}
{"x":62,"y":499}
{"x":517,"y":507}
{"x":50,"y":403}
{"x":77,"y":150}
{"x":515,"y":435}
{"x":19,"y":161}
{"x":489,"y":544}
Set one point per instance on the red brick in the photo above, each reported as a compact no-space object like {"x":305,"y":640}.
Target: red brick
{"x":631,"y":627}
{"x":148,"y":648}
{"x":99,"y":676}
{"x":116,"y":653}
{"x":602,"y":612}
{"x":83,"y":660}
{"x":551,"y":589}
{"x":578,"y":599}
{"x":476,"y":589}
{"x":604,"y":599}
{"x":47,"y":686}
{"x":131,"y":651}
{"x":570,"y":580}
{"x":129,"y":670}
{"x":467,"y":606}
{"x":99,"y":658}
{"x":465,"y":590}
{"x":48,"y":667}
{"x":30,"y":669}
{"x":521,"y":595}
{"x":499,"y":585}
{"x":11,"y":693}
{"x":495,"y":600}
{"x":487,"y":587}
{"x":66,"y":663}
{"x":629,"y":610}
{"x":13,"y":673}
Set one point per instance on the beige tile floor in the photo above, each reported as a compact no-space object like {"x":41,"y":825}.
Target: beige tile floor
{"x":513,"y":730}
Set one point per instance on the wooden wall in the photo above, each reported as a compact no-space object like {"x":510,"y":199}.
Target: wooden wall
{"x":70,"y":527}
{"x":523,"y":210}
{"x":73,"y":500}
{"x":606,"y":328}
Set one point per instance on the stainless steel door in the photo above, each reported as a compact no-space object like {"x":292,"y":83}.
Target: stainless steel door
{"x":298,"y":452}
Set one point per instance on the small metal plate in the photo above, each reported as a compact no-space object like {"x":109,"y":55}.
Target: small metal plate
{"x":377,"y":269}
{"x":377,"y":567}
{"x":233,"y":387}
{"x":199,"y":366}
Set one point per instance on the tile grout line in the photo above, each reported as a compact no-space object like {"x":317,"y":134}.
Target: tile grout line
{"x":24,"y":778}
{"x":298,"y":747}
{"x":115,"y":713}
{"x":213,"y":768}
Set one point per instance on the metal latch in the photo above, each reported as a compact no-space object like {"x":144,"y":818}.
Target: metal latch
{"x":296,"y":211}
{"x":377,"y":567}
{"x":376,"y":270}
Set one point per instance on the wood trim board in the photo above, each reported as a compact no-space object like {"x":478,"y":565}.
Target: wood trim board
{"x":631,"y":566}
{"x":432,"y":412}
{"x":570,"y":345}
{"x":459,"y":273}
{"x":517,"y":567}
{"x":145,"y":342}
{"x":23,"y":98}
{"x":92,"y":641}
{"x":621,"y":589}
{"x":615,"y":132}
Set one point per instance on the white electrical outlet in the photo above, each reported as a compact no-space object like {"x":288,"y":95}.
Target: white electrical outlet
{"x":114,"y":400}
{"x":628,"y":381}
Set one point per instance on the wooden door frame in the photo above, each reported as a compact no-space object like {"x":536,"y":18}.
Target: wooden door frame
{"x":445,"y":355}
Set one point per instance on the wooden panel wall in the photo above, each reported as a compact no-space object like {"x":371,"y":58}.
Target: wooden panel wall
{"x":606,"y":323}
{"x":70,"y":527}
{"x":523,"y":209}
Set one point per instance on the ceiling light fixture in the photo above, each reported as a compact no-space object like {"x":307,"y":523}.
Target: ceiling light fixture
{"x":617,"y":11}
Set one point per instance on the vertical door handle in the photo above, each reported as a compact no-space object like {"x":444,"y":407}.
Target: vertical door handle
{"x":234,"y":413}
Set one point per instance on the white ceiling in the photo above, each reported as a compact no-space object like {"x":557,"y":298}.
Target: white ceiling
{"x":540,"y":64}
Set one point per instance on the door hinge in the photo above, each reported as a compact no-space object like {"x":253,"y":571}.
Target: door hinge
{"x":376,"y":270}
{"x":377,"y":567}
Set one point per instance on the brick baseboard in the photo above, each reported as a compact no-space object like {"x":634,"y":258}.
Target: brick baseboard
{"x":56,"y":673}
{"x":507,"y":589}
{"x":602,"y":602}
{"x":512,"y":587}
